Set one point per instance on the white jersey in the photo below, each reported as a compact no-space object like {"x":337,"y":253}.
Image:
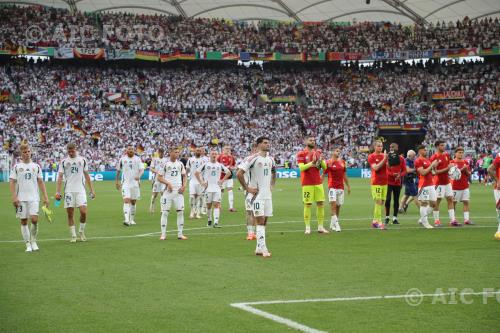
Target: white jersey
{"x":157,"y":164}
{"x":26,"y":176}
{"x":193,"y":164}
{"x":260,"y":173}
{"x":72,"y":170}
{"x":130,"y":168}
{"x":211,"y":173}
{"x":173,"y":172}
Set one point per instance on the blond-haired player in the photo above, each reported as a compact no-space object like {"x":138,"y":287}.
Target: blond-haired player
{"x":74,"y":170}
{"x":25,"y":182}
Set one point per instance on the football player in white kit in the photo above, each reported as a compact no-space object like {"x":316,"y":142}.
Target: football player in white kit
{"x":262,"y":169}
{"x":74,"y":170}
{"x":25,"y":181}
{"x":158,"y":188}
{"x":250,"y":220}
{"x":173,"y":175}
{"x":195,"y":190}
{"x":132,"y":169}
{"x":209,"y":178}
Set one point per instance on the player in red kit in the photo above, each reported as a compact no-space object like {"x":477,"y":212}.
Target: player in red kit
{"x":227,"y":159}
{"x":378,"y":164}
{"x":461,"y":186}
{"x":426,"y":190}
{"x":442,"y":183}
{"x":310,"y":163}
{"x":396,"y":170}
{"x":337,"y":176}
{"x":494,"y":172}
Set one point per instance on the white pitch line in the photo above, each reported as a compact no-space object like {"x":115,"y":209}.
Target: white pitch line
{"x":248,"y":306}
{"x":150,"y":234}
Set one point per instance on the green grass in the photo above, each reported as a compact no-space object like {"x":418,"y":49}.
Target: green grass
{"x":125,"y":283}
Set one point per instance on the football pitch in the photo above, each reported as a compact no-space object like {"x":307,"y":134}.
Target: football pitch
{"x":124,"y":279}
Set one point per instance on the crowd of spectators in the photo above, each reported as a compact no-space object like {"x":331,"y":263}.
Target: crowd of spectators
{"x":51,"y":105}
{"x":46,"y":26}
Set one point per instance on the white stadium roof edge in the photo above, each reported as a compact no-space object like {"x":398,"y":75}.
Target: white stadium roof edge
{"x":404,"y":11}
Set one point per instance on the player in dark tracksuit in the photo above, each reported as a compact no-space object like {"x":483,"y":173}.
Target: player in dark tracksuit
{"x":396,"y":169}
{"x":410,"y":182}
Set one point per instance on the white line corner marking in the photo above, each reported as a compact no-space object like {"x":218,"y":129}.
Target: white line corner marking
{"x":247,"y":306}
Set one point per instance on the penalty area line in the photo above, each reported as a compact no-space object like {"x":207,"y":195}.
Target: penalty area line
{"x":249,"y":306}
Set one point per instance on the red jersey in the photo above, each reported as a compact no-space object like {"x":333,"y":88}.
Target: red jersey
{"x":426,"y":180}
{"x":496,"y":164}
{"x":394,"y":170}
{"x":228,"y":161}
{"x":311,"y":176}
{"x":336,"y":170}
{"x":444,"y":161}
{"x":463,"y":182}
{"x":378,"y":177}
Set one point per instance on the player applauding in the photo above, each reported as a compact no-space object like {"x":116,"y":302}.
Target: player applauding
{"x":337,"y":176}
{"x":442,"y":183}
{"x":461,"y":186}
{"x":310,"y":163}
{"x":378,"y":164}
{"x":426,"y":191}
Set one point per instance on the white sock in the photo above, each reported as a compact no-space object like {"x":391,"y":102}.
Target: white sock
{"x":250,"y":229}
{"x":230,"y":196}
{"x":199,"y":204}
{"x":164,"y":222}
{"x":394,"y":218}
{"x":25,"y":231}
{"x":435,"y":213}
{"x":82,"y":226}
{"x":209,"y":214}
{"x":430,"y":210}
{"x":423,"y":215}
{"x":333,"y":219}
{"x":466,"y":216}
{"x":180,"y":222}
{"x":192,"y":203}
{"x":261,"y":238}
{"x":132,"y":213}
{"x":72,"y":231}
{"x":216,"y":215}
{"x":451,"y":214}
{"x":34,"y":231}
{"x":126,"y":212}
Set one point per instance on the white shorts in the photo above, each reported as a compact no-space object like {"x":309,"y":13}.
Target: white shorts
{"x":263,"y":207}
{"x":195,"y":188}
{"x":75,"y":199}
{"x":212,"y":196}
{"x":169,"y":198}
{"x":461,"y":195}
{"x":427,"y":193}
{"x":336,"y":195}
{"x":248,"y":203}
{"x":132,"y":193}
{"x":228,"y":184}
{"x":27,"y":209}
{"x":444,"y":191}
{"x":496,"y":193}
{"x":158,"y":187}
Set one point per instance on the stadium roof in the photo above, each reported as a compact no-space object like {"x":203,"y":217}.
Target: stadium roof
{"x":405,"y":11}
